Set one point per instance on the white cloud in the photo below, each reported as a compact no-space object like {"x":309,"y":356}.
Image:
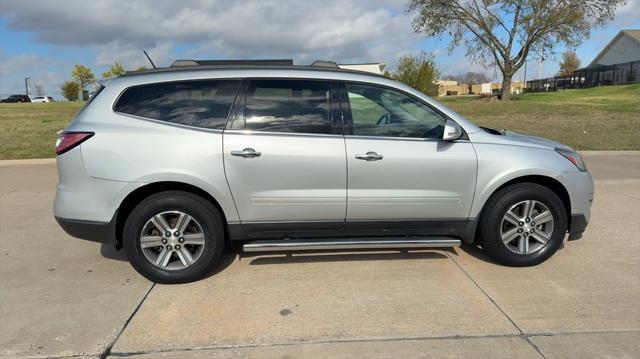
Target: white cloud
{"x":338,"y":30}
{"x":20,"y":62}
{"x":628,"y":15}
{"x":132,"y":57}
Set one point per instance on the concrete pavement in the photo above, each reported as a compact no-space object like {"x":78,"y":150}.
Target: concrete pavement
{"x":65,"y":297}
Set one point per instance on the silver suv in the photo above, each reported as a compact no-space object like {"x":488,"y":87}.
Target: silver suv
{"x":174,"y":163}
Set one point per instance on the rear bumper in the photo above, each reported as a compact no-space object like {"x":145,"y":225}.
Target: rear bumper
{"x":91,"y":231}
{"x":577,"y":227}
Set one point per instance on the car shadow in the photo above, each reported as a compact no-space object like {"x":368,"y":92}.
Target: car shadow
{"x":229,"y":255}
{"x":476,"y":252}
{"x":266,"y":258}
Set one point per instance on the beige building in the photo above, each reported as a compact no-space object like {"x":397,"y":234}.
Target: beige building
{"x":516,"y":87}
{"x":451,"y":88}
{"x":493,"y":88}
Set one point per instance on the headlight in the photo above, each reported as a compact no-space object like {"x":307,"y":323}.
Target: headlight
{"x":573,"y":157}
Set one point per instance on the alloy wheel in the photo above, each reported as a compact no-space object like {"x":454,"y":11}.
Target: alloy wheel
{"x":527,"y":227}
{"x":172,"y":240}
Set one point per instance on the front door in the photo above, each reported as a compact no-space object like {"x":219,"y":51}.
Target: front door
{"x":284,"y":157}
{"x":399,"y":169}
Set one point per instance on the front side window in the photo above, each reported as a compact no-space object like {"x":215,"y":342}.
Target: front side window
{"x":195,"y":103}
{"x":378,"y":111}
{"x":295,"y":106}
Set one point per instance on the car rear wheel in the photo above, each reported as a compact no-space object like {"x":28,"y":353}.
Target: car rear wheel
{"x":174,"y":237}
{"x":523,"y":225}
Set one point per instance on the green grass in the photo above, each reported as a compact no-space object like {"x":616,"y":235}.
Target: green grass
{"x":28,"y":130}
{"x":602,"y":118}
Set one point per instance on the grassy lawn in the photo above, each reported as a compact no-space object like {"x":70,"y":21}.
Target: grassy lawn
{"x":603,"y":118}
{"x":28,"y":130}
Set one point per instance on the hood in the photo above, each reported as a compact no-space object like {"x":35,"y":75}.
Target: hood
{"x":528,"y":139}
{"x":519,"y":139}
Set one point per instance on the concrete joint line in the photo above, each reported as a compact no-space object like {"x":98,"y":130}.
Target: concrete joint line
{"x":107,"y":350}
{"x":362,"y":340}
{"x":522,"y":334}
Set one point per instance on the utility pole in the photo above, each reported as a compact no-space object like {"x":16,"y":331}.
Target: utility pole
{"x":540,"y":68}
{"x":26,"y":85}
{"x":525,"y":74}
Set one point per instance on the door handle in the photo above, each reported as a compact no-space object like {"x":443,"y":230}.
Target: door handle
{"x":246,"y":153}
{"x":370,"y":156}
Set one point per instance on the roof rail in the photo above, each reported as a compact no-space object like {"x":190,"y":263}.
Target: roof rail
{"x":266,"y":62}
{"x":324,"y":63}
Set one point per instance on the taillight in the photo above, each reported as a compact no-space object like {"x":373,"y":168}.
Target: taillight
{"x":68,"y":140}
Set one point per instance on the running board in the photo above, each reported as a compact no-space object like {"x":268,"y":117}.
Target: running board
{"x":353,"y":243}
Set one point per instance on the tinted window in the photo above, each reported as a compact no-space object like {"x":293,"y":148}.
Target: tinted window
{"x":378,"y":111}
{"x":194,"y":103}
{"x":288,"y":106}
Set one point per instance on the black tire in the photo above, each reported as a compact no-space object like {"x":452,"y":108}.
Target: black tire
{"x":207,"y":216}
{"x":494,"y":211}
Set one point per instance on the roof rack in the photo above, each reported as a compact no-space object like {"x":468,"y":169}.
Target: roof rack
{"x":324,"y":63}
{"x":269,"y":62}
{"x":266,"y":62}
{"x":187,"y":65}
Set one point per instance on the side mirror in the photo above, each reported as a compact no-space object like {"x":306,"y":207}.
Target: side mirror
{"x":452,"y":131}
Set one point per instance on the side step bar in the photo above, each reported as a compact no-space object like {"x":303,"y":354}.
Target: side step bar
{"x":350,"y":243}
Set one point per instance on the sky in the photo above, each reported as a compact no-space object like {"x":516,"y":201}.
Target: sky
{"x":42,"y":40}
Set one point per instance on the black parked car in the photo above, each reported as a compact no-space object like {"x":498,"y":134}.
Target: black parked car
{"x":16,"y":98}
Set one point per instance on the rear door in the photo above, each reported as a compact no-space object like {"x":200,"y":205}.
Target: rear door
{"x":285,"y":158}
{"x":400,"y":172}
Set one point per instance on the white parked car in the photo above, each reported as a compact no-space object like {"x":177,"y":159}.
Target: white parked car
{"x":43,"y":99}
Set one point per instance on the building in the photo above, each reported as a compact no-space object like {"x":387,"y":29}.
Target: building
{"x":618,"y":63}
{"x":516,"y":87}
{"x":451,"y":88}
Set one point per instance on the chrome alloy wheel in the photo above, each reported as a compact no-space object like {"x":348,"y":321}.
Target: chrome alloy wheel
{"x":172,"y":240}
{"x":527,"y":227}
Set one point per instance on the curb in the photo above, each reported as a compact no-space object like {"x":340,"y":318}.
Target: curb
{"x":34,"y":161}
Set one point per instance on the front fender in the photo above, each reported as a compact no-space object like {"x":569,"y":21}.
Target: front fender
{"x":500,"y":164}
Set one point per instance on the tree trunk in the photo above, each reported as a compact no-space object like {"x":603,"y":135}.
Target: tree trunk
{"x":506,"y":87}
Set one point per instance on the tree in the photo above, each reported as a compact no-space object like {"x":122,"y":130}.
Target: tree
{"x":115,"y":70}
{"x":39,"y":91}
{"x":83,"y":75}
{"x":570,"y":63}
{"x":70,"y":90}
{"x":503,"y":33}
{"x":419,"y":72}
{"x":472,"y":78}
{"x":141,"y":68}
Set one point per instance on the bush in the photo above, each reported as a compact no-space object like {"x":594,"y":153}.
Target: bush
{"x":70,"y":90}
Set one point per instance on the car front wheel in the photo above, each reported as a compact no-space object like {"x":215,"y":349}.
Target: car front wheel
{"x":523,"y":225}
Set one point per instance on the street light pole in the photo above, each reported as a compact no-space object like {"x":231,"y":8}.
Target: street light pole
{"x":525,"y":74}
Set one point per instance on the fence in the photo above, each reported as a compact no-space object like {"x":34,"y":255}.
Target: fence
{"x":598,"y":75}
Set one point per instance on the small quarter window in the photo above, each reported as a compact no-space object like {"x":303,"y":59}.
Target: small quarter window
{"x":203,"y":103}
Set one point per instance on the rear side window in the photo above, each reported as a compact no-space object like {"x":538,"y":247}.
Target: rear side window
{"x":194,"y":103}
{"x":296,"y":106}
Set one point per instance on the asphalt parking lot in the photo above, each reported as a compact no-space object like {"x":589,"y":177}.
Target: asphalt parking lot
{"x":65,"y":297}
